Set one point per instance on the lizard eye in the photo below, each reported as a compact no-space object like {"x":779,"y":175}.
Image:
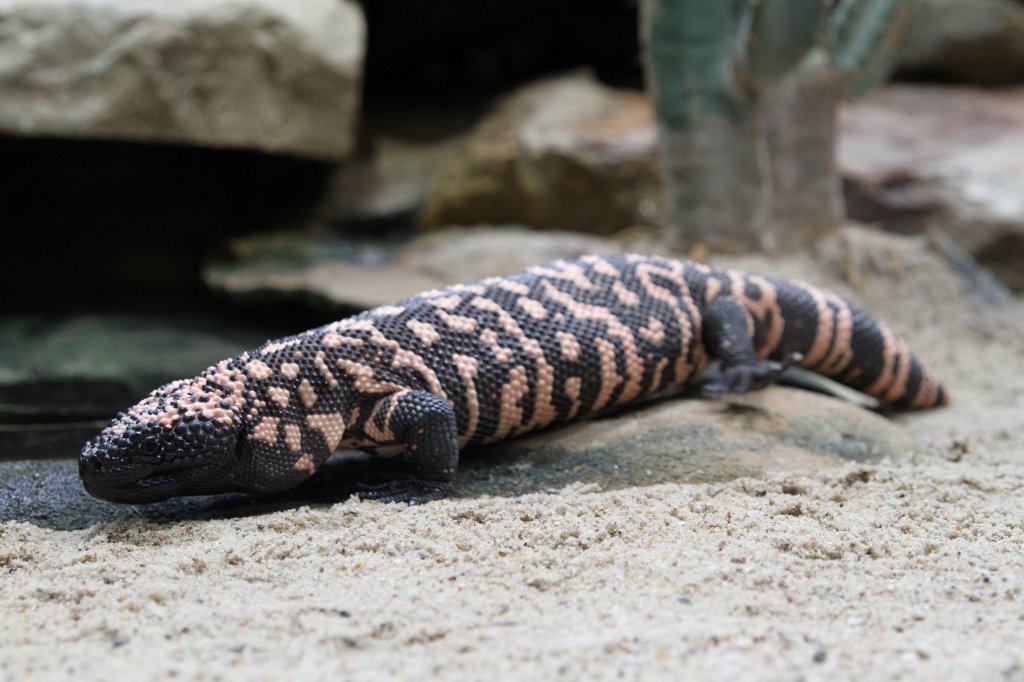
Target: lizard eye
{"x":150,"y":445}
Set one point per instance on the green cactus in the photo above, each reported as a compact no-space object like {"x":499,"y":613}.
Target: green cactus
{"x":716,"y":70}
{"x":690,"y":59}
{"x":864,"y":39}
{"x":774,"y":37}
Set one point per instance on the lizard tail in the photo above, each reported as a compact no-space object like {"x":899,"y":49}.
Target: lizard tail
{"x":841,"y":341}
{"x":883,"y":367}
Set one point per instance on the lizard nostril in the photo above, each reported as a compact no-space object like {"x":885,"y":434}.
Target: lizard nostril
{"x":89,"y":465}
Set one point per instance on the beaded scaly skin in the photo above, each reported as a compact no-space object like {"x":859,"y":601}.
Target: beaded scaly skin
{"x":480,"y":362}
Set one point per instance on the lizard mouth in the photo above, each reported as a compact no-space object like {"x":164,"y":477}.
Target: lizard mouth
{"x":157,"y":481}
{"x":153,"y":487}
{"x":166,"y":476}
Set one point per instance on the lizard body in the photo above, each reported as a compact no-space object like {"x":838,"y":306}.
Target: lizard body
{"x":480,"y":362}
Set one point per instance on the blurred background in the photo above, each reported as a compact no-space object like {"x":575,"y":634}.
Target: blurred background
{"x":184,"y":180}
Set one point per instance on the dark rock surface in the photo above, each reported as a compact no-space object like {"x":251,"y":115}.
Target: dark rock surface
{"x":778,"y":429}
{"x":63,"y":378}
{"x":673,"y":440}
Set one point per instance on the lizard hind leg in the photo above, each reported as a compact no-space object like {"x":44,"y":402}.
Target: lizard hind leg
{"x":425,"y":425}
{"x":727,"y":338}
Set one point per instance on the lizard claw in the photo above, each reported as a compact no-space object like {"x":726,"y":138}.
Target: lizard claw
{"x":410,"y":490}
{"x":745,"y":378}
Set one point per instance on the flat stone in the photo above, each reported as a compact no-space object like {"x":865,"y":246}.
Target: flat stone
{"x":49,"y":494}
{"x":689,"y":440}
{"x":341,"y":275}
{"x":62,"y":379}
{"x":565,"y":153}
{"x":923,"y":158}
{"x":674,"y":440}
{"x":980,"y":41}
{"x":275,"y":76}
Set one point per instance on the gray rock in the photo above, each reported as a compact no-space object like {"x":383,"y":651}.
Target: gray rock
{"x":276,"y":76}
{"x":61,"y":379}
{"x":771,"y":431}
{"x":394,"y":180}
{"x":340,"y":275}
{"x":924,"y":268}
{"x":566,"y":153}
{"x":917,"y":159}
{"x":675,"y":440}
{"x":49,"y":494}
{"x":980,"y":41}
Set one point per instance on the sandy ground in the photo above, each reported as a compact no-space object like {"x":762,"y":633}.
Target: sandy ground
{"x":907,"y":569}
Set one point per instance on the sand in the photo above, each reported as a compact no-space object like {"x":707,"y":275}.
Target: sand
{"x":908,"y":569}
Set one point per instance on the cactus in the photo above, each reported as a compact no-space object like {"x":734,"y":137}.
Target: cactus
{"x":864,"y":39}
{"x":718,"y":70}
{"x":776,"y":36}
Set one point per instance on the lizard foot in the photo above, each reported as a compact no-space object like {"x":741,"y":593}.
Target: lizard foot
{"x":410,"y":490}
{"x":744,"y":378}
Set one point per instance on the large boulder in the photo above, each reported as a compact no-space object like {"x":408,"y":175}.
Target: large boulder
{"x":276,"y":76}
{"x":565,"y":153}
{"x":390,"y":180}
{"x":980,"y":41}
{"x":949,"y":159}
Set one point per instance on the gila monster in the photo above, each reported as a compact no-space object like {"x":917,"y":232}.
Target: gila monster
{"x":480,"y":362}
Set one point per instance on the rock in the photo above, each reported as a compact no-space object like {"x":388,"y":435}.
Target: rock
{"x":980,"y":41}
{"x":566,"y":153}
{"x":762,"y":433}
{"x":675,"y":440}
{"x":276,"y":76}
{"x":951,"y":159}
{"x":877,"y":263}
{"x":978,"y":280}
{"x":341,"y":275}
{"x":680,"y":439}
{"x":49,"y":494}
{"x":62,"y":379}
{"x":394,"y":180}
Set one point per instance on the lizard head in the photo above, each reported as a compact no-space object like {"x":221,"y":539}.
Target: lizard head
{"x":180,"y":440}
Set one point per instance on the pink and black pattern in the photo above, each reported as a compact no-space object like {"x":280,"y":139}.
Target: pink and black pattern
{"x":480,"y":362}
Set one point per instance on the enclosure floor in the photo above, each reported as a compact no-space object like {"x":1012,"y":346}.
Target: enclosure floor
{"x":897,"y":570}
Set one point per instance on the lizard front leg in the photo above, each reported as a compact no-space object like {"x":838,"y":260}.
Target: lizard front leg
{"x":425,"y":426}
{"x":727,"y":338}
